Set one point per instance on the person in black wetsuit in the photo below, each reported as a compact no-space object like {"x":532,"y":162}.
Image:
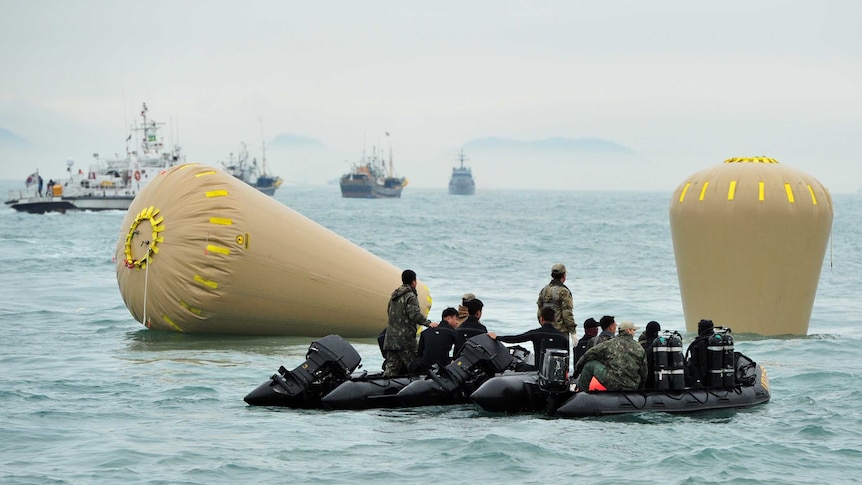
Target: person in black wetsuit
{"x":591,"y":329}
{"x":646,"y":339}
{"x":696,"y":355}
{"x":545,"y":337}
{"x":435,"y":344}
{"x":471,"y":326}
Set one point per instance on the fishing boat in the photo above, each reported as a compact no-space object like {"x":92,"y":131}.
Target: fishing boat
{"x":372,"y":177}
{"x":461,"y":182}
{"x":107,"y":184}
{"x":250,"y":173}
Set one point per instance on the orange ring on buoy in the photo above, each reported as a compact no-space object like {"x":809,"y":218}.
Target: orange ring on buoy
{"x":137,"y":175}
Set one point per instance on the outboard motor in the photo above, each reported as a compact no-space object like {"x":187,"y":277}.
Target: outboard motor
{"x":715,"y":360}
{"x":660,"y":362}
{"x":554,"y":373}
{"x":480,"y":358}
{"x":728,"y":377}
{"x":675,"y":372}
{"x":329,"y":360}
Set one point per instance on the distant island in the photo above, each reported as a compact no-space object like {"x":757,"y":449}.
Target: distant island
{"x":581,"y":145}
{"x":286,"y":140}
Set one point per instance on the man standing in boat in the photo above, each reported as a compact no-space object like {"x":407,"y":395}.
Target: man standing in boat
{"x":557,"y":296}
{"x":399,"y":345}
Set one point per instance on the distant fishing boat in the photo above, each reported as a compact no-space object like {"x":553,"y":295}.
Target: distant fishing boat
{"x":248,"y":172}
{"x":372,"y":178}
{"x":108,"y":183}
{"x":461,"y":182}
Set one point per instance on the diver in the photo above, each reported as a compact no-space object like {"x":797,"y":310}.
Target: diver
{"x":471,"y":326}
{"x":696,"y":361}
{"x":436,"y":344}
{"x":591,"y":329}
{"x":547,"y":336}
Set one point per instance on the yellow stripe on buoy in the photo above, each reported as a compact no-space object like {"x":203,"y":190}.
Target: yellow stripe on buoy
{"x":196,"y":311}
{"x":218,"y":249}
{"x":731,"y":191}
{"x":206,"y":282}
{"x":760,"y":197}
{"x":172,"y":324}
{"x":221,"y":220}
{"x":210,"y":172}
{"x":703,"y":190}
{"x":813,"y":197}
{"x":789,"y":192}
{"x":216,"y":193}
{"x":684,"y":190}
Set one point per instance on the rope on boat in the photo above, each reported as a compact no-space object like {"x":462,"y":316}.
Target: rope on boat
{"x":146,"y":284}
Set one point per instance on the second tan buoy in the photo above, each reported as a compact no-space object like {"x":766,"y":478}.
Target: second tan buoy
{"x":201,"y":251}
{"x":749,"y":237}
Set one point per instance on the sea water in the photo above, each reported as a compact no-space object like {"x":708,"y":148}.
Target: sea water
{"x":88,"y":395}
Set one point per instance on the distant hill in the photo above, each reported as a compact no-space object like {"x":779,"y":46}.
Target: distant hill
{"x":572,"y":145}
{"x":286,"y":140}
{"x":11,"y":140}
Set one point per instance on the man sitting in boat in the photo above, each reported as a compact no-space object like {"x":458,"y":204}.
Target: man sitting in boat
{"x":697,"y":361}
{"x":609,"y":328}
{"x":547,"y":336}
{"x":471,"y":326}
{"x":591,"y":329}
{"x":435,"y":344}
{"x":618,"y":364}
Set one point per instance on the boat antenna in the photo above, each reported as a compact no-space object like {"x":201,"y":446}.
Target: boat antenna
{"x":262,"y":147}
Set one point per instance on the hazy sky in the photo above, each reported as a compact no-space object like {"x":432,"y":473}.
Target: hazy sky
{"x":684,"y":84}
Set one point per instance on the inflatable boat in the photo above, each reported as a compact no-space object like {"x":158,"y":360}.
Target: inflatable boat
{"x":327,"y":379}
{"x":538,"y":392}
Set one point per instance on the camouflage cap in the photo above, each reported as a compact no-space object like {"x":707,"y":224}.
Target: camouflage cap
{"x":558,"y":268}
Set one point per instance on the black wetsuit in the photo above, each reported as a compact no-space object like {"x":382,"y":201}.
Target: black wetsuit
{"x":545,"y":337}
{"x":470,"y":328}
{"x":697,"y":360}
{"x":435,"y":347}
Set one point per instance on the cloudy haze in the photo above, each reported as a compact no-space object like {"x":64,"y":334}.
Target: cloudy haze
{"x":677,"y":85}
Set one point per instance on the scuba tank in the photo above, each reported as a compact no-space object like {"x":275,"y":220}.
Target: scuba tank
{"x":675,"y":374}
{"x":660,"y":361}
{"x":728,"y":378}
{"x":715,"y":361}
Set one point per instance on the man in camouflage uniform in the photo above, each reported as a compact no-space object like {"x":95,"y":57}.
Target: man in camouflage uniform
{"x":557,"y":296}
{"x":399,"y":345}
{"x":618,"y":364}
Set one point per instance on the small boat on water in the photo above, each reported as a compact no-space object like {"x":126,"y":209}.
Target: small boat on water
{"x":107,"y":184}
{"x":372,"y":178}
{"x":461,"y":182}
{"x":485,"y":373}
{"x":250,"y":173}
{"x":327,"y":379}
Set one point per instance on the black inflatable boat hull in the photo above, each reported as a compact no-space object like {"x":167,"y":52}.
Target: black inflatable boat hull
{"x":521,"y":393}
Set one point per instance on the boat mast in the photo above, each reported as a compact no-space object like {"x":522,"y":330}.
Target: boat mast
{"x":391,"y":166}
{"x":262,"y":147}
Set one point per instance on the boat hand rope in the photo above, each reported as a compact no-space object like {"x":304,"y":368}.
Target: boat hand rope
{"x":146,"y":284}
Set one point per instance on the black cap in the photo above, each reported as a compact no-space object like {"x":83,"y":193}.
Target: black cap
{"x":652,"y":328}
{"x":591,"y":323}
{"x":704,"y":326}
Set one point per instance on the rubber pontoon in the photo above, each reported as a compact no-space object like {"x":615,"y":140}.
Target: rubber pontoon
{"x":327,"y":379}
{"x":525,"y":392}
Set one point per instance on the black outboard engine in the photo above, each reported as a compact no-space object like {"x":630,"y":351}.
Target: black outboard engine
{"x":481,"y":357}
{"x":329,"y":362}
{"x":480,"y":354}
{"x":728,"y":377}
{"x":554,"y":373}
{"x":675,"y":372}
{"x":553,"y":376}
